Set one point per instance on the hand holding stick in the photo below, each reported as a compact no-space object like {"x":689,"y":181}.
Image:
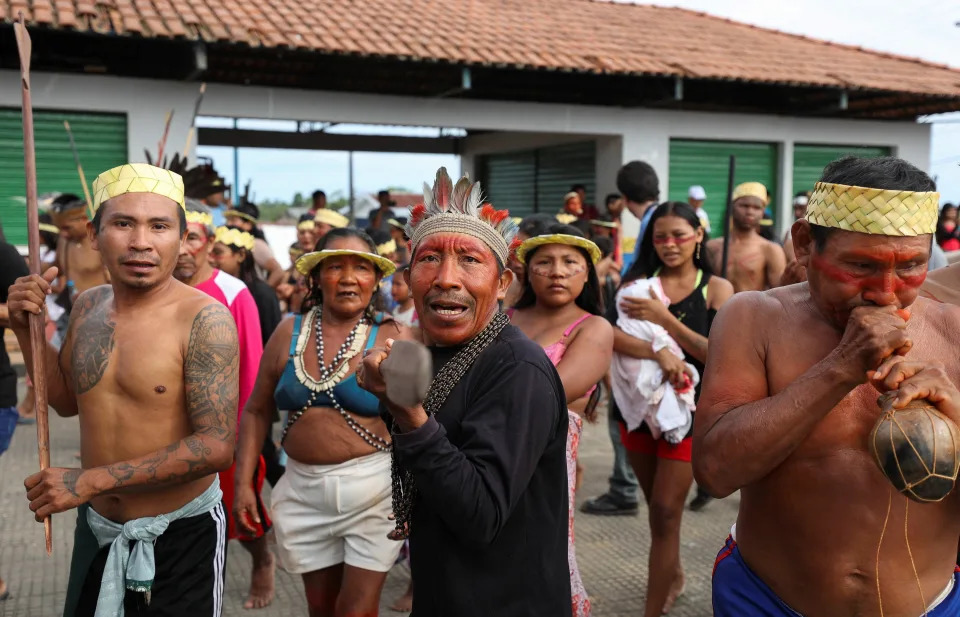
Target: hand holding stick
{"x":38,"y":342}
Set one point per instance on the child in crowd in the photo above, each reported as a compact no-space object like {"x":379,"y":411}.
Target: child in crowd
{"x":405,"y":312}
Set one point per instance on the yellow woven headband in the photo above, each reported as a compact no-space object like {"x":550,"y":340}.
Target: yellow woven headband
{"x":751,"y":189}
{"x":331,"y":218}
{"x":137,"y":178}
{"x":873,"y":211}
{"x":576,"y":241}
{"x":201,"y":218}
{"x":306,"y":226}
{"x":387,"y":247}
{"x":235,"y":237}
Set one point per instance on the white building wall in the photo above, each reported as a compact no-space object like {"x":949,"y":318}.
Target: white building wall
{"x":621,"y":134}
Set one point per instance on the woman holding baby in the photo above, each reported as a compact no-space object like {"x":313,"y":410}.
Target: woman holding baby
{"x":679,"y":300}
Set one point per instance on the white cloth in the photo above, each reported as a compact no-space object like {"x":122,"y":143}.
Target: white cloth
{"x":407,"y":317}
{"x":324,"y":515}
{"x":638,"y":384}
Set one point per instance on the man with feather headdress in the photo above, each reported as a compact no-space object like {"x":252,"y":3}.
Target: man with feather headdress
{"x":479,"y":466}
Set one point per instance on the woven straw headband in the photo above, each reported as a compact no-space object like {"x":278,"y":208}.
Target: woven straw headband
{"x":137,"y":178}
{"x":873,"y":211}
{"x":449,"y":222}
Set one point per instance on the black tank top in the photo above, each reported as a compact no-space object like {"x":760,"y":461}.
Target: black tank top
{"x":692,"y":312}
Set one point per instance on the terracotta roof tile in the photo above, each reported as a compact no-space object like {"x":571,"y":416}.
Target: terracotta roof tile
{"x":593,"y":36}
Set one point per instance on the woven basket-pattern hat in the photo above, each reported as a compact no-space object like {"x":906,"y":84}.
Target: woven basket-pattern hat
{"x":873,"y":211}
{"x":460,"y":209}
{"x":137,"y":178}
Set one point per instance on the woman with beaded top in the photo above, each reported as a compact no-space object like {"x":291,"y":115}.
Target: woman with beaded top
{"x":331,"y":508}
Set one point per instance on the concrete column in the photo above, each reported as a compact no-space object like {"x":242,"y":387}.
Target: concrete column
{"x":609,"y":159}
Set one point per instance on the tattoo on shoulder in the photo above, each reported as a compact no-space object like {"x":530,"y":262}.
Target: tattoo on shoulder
{"x":211,"y":373}
{"x":92,"y":338}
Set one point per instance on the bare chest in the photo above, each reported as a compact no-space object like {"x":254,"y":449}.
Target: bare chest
{"x":747,"y":266}
{"x":136,"y":360}
{"x":849,"y":424}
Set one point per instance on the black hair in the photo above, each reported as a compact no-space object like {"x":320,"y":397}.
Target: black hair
{"x":65,"y":202}
{"x":578,"y":187}
{"x":605,"y":244}
{"x":248,"y":267}
{"x":318,"y":193}
{"x":648,"y":261}
{"x":942,"y":234}
{"x":584,"y":226}
{"x":379,"y":237}
{"x":383,"y":192}
{"x":886,"y":172}
{"x":536,"y":224}
{"x":304,"y":218}
{"x":250,"y":209}
{"x":98,"y":217}
{"x":314,"y":295}
{"x":590,"y":298}
{"x":638,"y":182}
{"x":48,"y":238}
{"x":611,"y":198}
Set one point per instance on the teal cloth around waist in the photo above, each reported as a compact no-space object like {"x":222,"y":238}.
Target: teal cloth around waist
{"x":135,"y":568}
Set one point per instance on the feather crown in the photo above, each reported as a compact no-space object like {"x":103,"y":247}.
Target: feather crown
{"x":449,"y":208}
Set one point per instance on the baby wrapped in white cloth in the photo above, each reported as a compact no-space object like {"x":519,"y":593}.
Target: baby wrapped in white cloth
{"x":638,"y":384}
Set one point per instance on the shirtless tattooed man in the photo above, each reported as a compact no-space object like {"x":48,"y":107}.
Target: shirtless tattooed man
{"x":150,"y":366}
{"x":755,"y":263}
{"x":789,"y":403}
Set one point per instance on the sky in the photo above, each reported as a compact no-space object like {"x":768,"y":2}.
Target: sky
{"x":920,"y":28}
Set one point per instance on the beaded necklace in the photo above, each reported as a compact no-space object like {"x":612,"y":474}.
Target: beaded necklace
{"x":331,"y":375}
{"x":404,"y":488}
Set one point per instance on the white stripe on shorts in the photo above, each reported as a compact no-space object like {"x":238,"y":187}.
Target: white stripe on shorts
{"x":218,"y":558}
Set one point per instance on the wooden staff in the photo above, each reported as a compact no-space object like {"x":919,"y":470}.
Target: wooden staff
{"x":163,"y":139}
{"x":83,"y":178}
{"x":38,"y":343}
{"x":727,"y":215}
{"x":193,"y":121}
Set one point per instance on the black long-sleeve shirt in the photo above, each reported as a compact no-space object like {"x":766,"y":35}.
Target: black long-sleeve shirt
{"x":489,"y":527}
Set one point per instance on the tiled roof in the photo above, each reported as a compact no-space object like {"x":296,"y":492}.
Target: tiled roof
{"x":563,"y":35}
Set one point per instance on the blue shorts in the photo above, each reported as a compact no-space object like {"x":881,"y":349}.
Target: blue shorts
{"x":738,"y":592}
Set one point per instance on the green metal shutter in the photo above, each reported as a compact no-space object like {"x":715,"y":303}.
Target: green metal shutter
{"x":531,"y":181}
{"x":508,"y":181}
{"x":101,"y":143}
{"x":559,"y":168}
{"x":707,"y":163}
{"x":809,"y":161}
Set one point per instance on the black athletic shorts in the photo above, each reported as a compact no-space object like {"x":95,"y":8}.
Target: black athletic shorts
{"x":190,"y":561}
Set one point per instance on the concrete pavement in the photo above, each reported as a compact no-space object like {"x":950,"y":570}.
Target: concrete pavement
{"x":612,"y":551}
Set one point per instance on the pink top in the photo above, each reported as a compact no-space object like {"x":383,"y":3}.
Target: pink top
{"x":555,"y":351}
{"x":232,"y":293}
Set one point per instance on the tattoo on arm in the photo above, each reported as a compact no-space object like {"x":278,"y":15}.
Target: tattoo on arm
{"x":211,"y":379}
{"x":93,"y":339}
{"x":212,"y":374}
{"x":70,"y":477}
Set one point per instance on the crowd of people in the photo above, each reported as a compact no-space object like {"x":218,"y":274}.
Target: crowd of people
{"x":725,"y":356}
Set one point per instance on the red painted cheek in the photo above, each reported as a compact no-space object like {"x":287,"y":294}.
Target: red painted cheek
{"x":887,"y":283}
{"x":677,"y":241}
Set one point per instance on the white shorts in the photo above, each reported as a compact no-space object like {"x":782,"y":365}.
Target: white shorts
{"x":324,"y":515}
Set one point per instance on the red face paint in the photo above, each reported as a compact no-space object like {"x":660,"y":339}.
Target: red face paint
{"x":887,"y":281}
{"x":677,"y":241}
